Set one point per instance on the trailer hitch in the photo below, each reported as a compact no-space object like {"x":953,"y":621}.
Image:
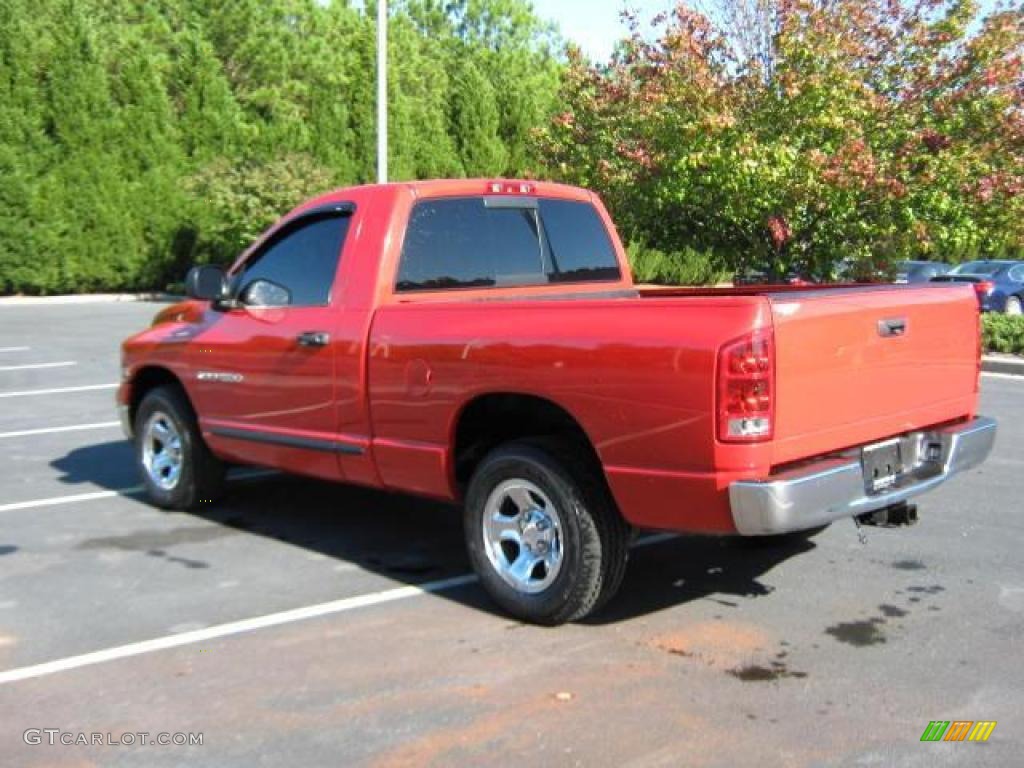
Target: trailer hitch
{"x":894,"y":516}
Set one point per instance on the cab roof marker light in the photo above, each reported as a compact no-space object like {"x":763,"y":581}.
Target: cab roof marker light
{"x":509,"y":188}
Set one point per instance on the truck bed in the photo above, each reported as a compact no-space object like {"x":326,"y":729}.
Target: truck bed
{"x":640,"y":375}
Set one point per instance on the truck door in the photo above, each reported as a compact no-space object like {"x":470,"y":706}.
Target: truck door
{"x":266,"y":371}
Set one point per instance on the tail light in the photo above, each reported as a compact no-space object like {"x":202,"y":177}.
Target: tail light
{"x":746,"y":388}
{"x":984,"y":288}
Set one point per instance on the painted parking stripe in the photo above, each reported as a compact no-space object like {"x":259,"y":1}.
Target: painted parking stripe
{"x":57,"y":390}
{"x":260,"y":622}
{"x":35,"y":366}
{"x":135,"y":490}
{"x":70,"y":428}
{"x":15,"y":349}
{"x":995,"y":375}
{"x":75,"y":497}
{"x":233,"y":628}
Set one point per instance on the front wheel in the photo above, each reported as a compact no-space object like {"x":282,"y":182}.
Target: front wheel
{"x":1013,"y":306}
{"x":177,"y":468}
{"x":543,"y":532}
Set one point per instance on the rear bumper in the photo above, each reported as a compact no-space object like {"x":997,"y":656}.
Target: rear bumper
{"x":831,"y":489}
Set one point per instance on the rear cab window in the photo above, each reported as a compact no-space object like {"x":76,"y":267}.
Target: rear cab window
{"x":497,"y":242}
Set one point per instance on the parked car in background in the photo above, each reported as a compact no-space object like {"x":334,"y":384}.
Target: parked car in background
{"x":764,"y":277}
{"x":999,"y":284}
{"x":919,"y":271}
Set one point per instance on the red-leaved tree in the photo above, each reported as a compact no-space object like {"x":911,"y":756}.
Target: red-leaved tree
{"x":839,"y":132}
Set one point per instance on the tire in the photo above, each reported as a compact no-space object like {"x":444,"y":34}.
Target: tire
{"x":188,"y":475}
{"x":540,"y":502}
{"x":1014,"y":306}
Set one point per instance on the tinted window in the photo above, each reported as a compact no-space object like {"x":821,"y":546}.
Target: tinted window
{"x":463,"y":242}
{"x":578,"y":242}
{"x":925,"y":270}
{"x":919,"y":272}
{"x":302,"y":260}
{"x":978,"y":268}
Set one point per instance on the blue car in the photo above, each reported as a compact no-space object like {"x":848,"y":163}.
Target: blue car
{"x":998,"y":283}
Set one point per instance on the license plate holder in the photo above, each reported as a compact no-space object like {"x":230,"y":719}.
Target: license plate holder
{"x":882,"y":464}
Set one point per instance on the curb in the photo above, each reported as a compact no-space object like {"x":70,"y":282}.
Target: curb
{"x":1003,"y":364}
{"x":86,"y":298}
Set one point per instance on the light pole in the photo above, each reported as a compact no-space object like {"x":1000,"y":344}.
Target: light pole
{"x":382,"y":91}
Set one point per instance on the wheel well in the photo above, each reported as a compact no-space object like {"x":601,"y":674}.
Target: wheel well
{"x":490,"y":420}
{"x":148,"y":379}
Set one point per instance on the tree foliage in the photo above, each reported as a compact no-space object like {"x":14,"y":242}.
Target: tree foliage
{"x":138,"y":135}
{"x":803,"y":133}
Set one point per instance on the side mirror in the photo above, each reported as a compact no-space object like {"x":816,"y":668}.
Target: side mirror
{"x":207,"y":283}
{"x":265,"y":293}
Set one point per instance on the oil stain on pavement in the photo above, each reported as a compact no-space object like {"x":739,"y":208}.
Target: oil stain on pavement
{"x":755,"y":673}
{"x":858,"y":633}
{"x":150,"y":540}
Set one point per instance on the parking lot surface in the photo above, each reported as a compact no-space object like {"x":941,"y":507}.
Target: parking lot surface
{"x":302,"y":623}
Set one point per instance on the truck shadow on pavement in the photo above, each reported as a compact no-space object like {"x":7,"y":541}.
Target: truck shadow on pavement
{"x":412,"y":540}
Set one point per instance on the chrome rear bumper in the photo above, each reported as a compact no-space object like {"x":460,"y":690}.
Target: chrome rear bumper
{"x":834,"y":488}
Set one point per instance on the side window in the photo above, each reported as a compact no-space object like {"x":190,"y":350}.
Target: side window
{"x":445,"y":247}
{"x":465,"y":243}
{"x":580,"y":249}
{"x":296,"y":268}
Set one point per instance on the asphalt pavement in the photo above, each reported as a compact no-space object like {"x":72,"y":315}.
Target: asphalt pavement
{"x":302,"y":623}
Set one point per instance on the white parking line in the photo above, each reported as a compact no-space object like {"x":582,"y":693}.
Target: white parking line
{"x":233,"y":628}
{"x":33,"y":366}
{"x":994,"y":375}
{"x":260,"y":622}
{"x":50,"y":430}
{"x":56,"y":501}
{"x":57,"y":390}
{"x":15,"y":349}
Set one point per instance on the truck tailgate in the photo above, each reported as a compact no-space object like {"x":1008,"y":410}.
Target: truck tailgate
{"x":859,"y":364}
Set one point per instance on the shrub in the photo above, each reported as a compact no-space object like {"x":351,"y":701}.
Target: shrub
{"x":683,"y":267}
{"x":235,"y":203}
{"x":1003,"y":333}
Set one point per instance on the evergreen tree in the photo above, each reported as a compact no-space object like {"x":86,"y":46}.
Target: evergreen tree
{"x":475,"y":122}
{"x":139,"y":135}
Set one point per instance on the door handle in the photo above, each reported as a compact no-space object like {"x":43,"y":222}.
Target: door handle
{"x":896,"y":326}
{"x":313,"y":339}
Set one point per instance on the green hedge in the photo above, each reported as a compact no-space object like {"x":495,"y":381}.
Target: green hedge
{"x":1003,"y":333}
{"x":686,"y":266}
{"x":137,"y":138}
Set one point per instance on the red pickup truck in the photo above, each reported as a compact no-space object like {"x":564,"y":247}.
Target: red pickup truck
{"x":482,"y":342}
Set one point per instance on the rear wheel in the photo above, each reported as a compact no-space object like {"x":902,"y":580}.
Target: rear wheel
{"x":1013,"y":306}
{"x":543,"y":532}
{"x":177,"y":468}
